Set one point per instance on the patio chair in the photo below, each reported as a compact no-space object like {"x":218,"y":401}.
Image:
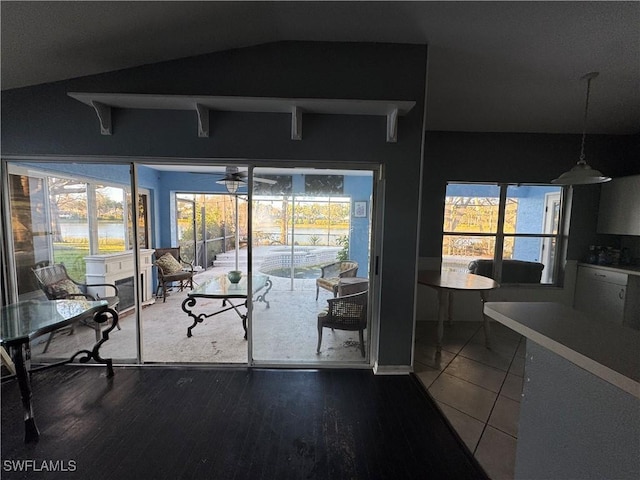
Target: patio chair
{"x":345,"y":313}
{"x":332,"y":273}
{"x":56,"y":284}
{"x":172,"y":268}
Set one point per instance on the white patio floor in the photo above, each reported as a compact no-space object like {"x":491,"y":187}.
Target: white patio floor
{"x":286,"y":332}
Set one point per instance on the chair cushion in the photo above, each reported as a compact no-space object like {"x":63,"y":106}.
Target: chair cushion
{"x":64,"y":288}
{"x":169,"y":264}
{"x":328,"y":283}
{"x":175,"y":277}
{"x":347,"y":266}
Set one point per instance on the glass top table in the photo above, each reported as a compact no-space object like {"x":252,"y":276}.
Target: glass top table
{"x":20,"y":322}
{"x":220,"y":287}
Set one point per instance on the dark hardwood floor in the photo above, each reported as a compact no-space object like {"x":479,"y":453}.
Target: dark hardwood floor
{"x":206,"y":423}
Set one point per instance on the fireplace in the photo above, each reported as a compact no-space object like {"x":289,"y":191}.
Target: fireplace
{"x":125,"y":293}
{"x":117,"y":269}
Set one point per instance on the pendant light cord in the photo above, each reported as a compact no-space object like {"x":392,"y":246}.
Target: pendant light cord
{"x":589,"y":77}
{"x":581,"y":173}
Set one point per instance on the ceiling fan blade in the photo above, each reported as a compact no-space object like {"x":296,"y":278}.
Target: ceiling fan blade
{"x":264,"y":180}
{"x":231,"y":178}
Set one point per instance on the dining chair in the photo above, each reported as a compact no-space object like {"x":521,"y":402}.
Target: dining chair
{"x":345,"y":313}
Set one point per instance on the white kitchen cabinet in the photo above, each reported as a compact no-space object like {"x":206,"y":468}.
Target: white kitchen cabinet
{"x":608,"y":295}
{"x":619,"y":212}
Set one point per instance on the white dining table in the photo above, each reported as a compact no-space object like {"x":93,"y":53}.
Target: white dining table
{"x":447,"y":282}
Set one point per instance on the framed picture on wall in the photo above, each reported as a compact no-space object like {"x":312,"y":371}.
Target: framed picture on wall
{"x":360,"y":209}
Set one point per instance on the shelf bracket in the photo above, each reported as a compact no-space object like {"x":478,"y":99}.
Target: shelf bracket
{"x":104,"y":116}
{"x":203,"y":120}
{"x":296,"y":123}
{"x":392,"y":126}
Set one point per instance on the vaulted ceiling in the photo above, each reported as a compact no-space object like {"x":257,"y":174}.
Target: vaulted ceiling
{"x":493,"y":66}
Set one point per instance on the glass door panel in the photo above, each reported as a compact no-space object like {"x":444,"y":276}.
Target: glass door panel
{"x":316,"y":219}
{"x":186,"y":226}
{"x":195,"y":211}
{"x":143,"y":221}
{"x":73,"y":215}
{"x":31,"y":230}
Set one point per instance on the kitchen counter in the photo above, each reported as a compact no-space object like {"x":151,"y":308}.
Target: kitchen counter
{"x":580,"y":407}
{"x":628,"y":269}
{"x":606,"y":350}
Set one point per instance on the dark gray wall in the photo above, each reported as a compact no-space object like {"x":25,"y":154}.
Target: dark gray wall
{"x":44,"y":120}
{"x":524,"y":158}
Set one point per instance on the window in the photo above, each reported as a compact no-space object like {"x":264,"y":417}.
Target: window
{"x":62,"y":218}
{"x":499,"y":223}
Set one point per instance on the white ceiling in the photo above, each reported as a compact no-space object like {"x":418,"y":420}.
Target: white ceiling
{"x":493,"y":66}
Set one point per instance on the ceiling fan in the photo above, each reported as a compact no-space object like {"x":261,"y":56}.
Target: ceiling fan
{"x":233,"y":178}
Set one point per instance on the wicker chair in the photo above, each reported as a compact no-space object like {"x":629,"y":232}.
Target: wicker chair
{"x":183,"y":274}
{"x":56,"y":284}
{"x":332,"y":273}
{"x":345,"y":313}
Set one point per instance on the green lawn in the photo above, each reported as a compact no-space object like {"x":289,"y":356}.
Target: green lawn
{"x":72,"y":256}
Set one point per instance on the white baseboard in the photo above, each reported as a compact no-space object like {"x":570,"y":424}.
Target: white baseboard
{"x":391,"y":369}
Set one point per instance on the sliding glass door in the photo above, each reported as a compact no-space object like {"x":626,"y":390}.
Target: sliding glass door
{"x":307,"y":223}
{"x":309,"y":243}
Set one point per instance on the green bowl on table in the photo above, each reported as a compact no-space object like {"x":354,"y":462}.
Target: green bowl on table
{"x":234,"y":276}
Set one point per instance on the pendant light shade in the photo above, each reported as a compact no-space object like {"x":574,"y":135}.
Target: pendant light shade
{"x":231,"y":184}
{"x":582,"y":173}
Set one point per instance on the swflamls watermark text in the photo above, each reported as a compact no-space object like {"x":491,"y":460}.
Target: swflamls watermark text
{"x":39,"y":465}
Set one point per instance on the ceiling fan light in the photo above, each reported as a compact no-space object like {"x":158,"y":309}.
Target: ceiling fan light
{"x":232,"y":185}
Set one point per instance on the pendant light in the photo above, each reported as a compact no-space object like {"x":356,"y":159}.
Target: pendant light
{"x":232,"y":184}
{"x":582,"y":173}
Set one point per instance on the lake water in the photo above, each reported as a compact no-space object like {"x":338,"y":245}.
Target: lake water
{"x":81,"y":230}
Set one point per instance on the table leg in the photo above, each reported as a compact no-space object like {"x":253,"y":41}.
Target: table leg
{"x":190,"y":302}
{"x":31,"y":432}
{"x":100,"y":317}
{"x":243,"y":316}
{"x":485,"y":318}
{"x":263,"y":296}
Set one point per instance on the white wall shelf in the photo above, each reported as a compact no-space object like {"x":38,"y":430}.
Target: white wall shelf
{"x":296,"y":107}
